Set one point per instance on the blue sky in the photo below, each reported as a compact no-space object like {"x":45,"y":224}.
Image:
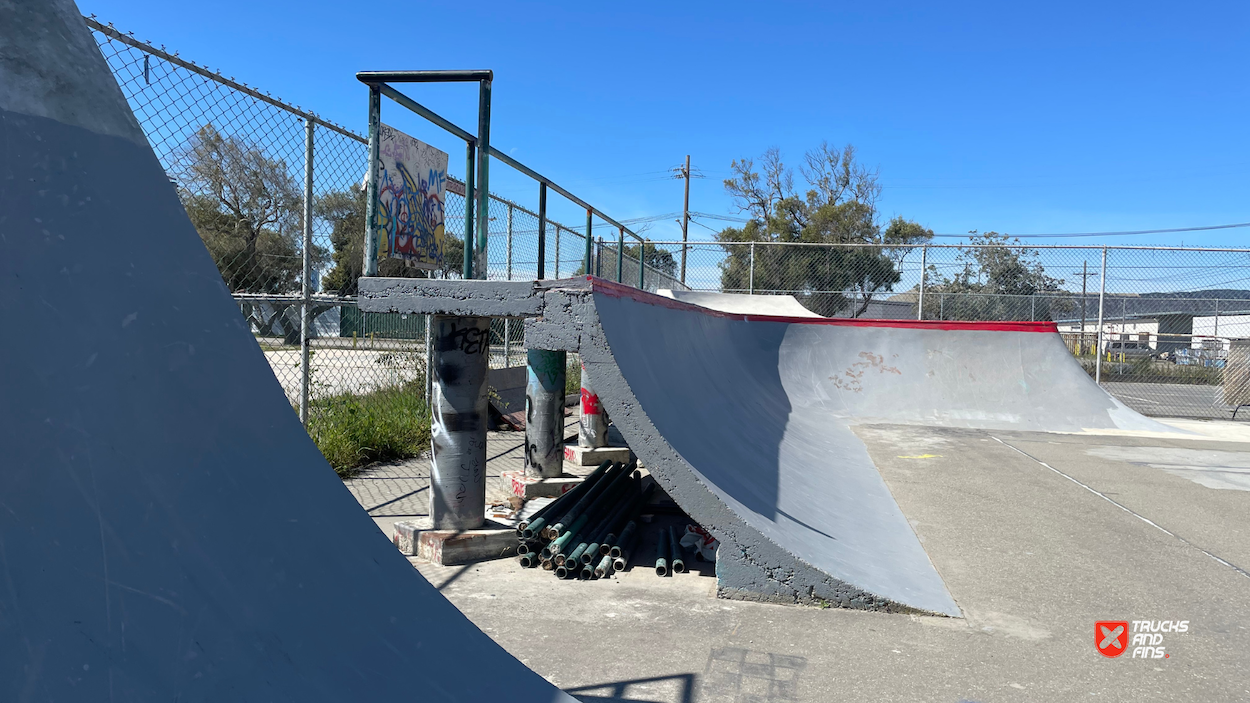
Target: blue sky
{"x":1070,"y":117}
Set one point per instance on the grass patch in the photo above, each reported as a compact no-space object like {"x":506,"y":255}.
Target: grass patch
{"x":1152,"y":371}
{"x":573,"y":375}
{"x":355,"y":430}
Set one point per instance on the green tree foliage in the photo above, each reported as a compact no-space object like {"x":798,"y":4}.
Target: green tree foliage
{"x":345,"y":211}
{"x":837,"y":207}
{"x":1000,"y":280}
{"x":654,"y":258}
{"x":247,"y":208}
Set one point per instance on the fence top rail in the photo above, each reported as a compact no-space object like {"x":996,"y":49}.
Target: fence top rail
{"x":112,"y":32}
{"x":879,"y":245}
{"x":469,"y":76}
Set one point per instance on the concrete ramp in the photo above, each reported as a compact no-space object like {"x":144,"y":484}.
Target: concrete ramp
{"x":783,"y":305}
{"x":747,"y":421}
{"x":168,"y":532}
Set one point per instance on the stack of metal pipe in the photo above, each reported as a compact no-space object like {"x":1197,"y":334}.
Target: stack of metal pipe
{"x":588,"y":532}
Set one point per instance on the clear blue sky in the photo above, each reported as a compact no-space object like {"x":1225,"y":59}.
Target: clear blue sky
{"x":1072,"y":117}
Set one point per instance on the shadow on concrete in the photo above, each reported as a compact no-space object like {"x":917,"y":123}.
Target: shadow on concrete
{"x":619,"y":690}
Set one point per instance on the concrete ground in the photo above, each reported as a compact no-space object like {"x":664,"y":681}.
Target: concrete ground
{"x":1037,"y":537}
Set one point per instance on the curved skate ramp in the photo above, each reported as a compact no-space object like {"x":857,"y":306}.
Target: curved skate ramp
{"x":168,"y":532}
{"x":746,"y":421}
{"x":784,"y":305}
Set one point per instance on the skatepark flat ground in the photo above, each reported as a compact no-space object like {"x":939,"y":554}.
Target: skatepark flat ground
{"x":1022,"y":528}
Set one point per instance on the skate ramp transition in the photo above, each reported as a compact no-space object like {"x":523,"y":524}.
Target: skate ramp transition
{"x":783,"y":305}
{"x":746,"y":420}
{"x":167,"y":529}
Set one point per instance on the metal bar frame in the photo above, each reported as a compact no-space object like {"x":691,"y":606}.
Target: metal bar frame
{"x":305,"y":354}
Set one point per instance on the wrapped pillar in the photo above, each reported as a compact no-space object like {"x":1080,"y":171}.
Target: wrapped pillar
{"x":458,"y":405}
{"x":544,"y":413}
{"x":592,"y":429}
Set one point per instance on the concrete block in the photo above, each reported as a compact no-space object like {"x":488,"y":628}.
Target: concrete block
{"x":452,"y":547}
{"x":529,"y":487}
{"x":583,"y":456}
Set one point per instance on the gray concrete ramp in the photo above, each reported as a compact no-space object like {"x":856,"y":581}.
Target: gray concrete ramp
{"x":168,"y":532}
{"x":746,"y":420}
{"x":785,"y":305}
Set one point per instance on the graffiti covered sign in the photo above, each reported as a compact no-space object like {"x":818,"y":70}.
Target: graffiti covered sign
{"x":411,"y":180}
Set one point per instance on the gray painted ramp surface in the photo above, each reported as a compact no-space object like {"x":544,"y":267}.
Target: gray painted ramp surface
{"x":168,"y":532}
{"x":759,"y":411}
{"x":784,"y":305}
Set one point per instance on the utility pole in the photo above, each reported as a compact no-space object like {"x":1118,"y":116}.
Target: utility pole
{"x":685,"y":218}
{"x":1084,"y":274}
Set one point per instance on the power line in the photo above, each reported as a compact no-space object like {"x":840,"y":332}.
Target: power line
{"x":1173,"y":230}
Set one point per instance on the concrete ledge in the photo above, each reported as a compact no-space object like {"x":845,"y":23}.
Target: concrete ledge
{"x":527,"y":487}
{"x":451,"y":547}
{"x":585,"y":456}
{"x":434,"y":296}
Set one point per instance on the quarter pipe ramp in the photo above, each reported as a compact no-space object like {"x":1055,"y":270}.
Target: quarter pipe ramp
{"x":167,"y":529}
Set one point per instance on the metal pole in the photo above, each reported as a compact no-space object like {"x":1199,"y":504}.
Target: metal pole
{"x":558,"y":228}
{"x":685,"y":219}
{"x":1080,"y":346}
{"x":942,"y":306}
{"x":480,"y":254}
{"x":458,"y":465}
{"x":751,"y":279}
{"x":590,"y":249}
{"x":642,"y":266}
{"x":370,"y":267}
{"x":544,"y":412}
{"x":467,"y":268}
{"x":1033,"y":308}
{"x":305,"y":376}
{"x":507,"y":321}
{"x":620,"y":257}
{"x":1102,"y":294}
{"x":924,"y":253}
{"x":1217,"y":317}
{"x":542,"y":230}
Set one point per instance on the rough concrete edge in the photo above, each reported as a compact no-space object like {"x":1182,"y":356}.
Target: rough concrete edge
{"x":449,"y":297}
{"x":749,"y":565}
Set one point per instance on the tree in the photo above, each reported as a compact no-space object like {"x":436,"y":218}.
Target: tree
{"x":247,"y":208}
{"x":654,"y":258}
{"x":345,"y":211}
{"x":838,"y":207}
{"x":1000,"y":280}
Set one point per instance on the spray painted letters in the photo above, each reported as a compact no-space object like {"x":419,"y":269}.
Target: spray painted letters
{"x":412,"y":188}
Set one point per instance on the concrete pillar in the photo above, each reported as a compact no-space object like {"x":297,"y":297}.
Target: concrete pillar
{"x":592,"y":428}
{"x":544,"y":413}
{"x":458,"y":467}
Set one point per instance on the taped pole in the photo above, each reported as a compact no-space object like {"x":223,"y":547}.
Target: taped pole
{"x":305,"y":376}
{"x":544,"y":412}
{"x":620,"y":257}
{"x":589,"y":256}
{"x":592,"y":427}
{"x":1102,"y":294}
{"x":458,"y":430}
{"x":481,"y":263}
{"x":370,"y":267}
{"x":542,"y":231}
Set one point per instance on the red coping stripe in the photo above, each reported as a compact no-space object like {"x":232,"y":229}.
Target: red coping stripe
{"x":618,"y":290}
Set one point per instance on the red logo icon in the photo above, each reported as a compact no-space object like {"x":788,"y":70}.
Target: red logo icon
{"x":1111,"y":637}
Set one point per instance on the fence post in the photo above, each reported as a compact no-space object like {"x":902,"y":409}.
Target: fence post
{"x":620,"y":257}
{"x":924,"y":253}
{"x":941,"y":306}
{"x":751,"y":275}
{"x":507,"y":321}
{"x":305,"y":376}
{"x":1102,"y":294}
{"x":590,"y":252}
{"x":542,"y":231}
{"x":642,"y":266}
{"x":467,"y":270}
{"x":370,"y":267}
{"x":558,"y":228}
{"x":1033,"y":308}
{"x":1217,"y":319}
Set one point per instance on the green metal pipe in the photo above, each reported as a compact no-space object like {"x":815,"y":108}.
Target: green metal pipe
{"x":528,"y":561}
{"x":548,"y":565}
{"x":627,"y":536}
{"x":589,"y":259}
{"x":620,"y":257}
{"x":604,"y":569}
{"x":661,"y":556}
{"x":562,"y":572}
{"x":587,"y":573}
{"x":584,"y":501}
{"x":556,"y":508}
{"x":642,"y":266}
{"x":678,"y":564}
{"x":576,"y":555}
{"x":623,"y":509}
{"x":467,"y":268}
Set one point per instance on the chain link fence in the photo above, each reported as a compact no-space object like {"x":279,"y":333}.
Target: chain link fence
{"x":246,"y":166}
{"x":1160,"y":330}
